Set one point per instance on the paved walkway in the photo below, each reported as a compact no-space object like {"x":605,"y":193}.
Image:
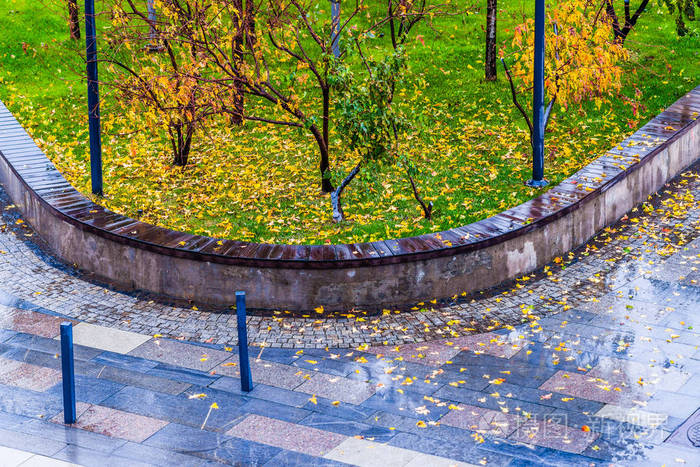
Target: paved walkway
{"x":592,"y":361}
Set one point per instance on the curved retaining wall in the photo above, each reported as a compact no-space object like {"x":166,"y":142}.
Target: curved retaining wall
{"x":134,"y":254}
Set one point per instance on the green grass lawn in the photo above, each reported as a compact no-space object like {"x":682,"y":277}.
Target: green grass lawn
{"x":260,"y":182}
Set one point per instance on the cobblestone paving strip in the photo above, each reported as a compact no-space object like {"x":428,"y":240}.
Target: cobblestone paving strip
{"x":636,"y":249}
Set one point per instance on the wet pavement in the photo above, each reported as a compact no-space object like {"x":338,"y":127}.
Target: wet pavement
{"x":593,"y":360}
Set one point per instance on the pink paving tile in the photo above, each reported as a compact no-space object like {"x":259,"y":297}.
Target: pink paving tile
{"x":594,"y":388}
{"x":482,"y":420}
{"x":337,"y":388}
{"x":428,"y":353}
{"x":266,"y":372}
{"x":498,"y":345}
{"x":31,"y":322}
{"x":286,"y":435}
{"x":27,"y":376}
{"x":115,"y":423}
{"x":553,"y":435}
{"x":180,"y":354}
{"x":642,"y":376}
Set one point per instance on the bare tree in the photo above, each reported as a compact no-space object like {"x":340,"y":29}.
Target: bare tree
{"x":73,"y":21}
{"x":621,"y":30}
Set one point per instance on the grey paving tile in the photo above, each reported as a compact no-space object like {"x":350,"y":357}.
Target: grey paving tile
{"x":298,"y":458}
{"x":177,"y":409}
{"x":90,"y":458}
{"x":211,"y":446}
{"x":348,"y":427}
{"x":127,"y":362}
{"x":30,"y":443}
{"x":88,"y":389}
{"x":30,"y":403}
{"x":180,"y":354}
{"x":160,"y":457}
{"x":141,"y":380}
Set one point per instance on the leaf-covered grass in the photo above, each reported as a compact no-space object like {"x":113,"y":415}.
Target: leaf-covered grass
{"x":260,"y":182}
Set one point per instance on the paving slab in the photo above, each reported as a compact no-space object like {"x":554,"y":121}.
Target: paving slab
{"x":553,"y":435}
{"x":27,"y":376}
{"x":31,"y":322}
{"x":180,"y":354}
{"x":110,"y":339}
{"x":114,"y":423}
{"x":286,"y":435}
{"x":367,"y":453}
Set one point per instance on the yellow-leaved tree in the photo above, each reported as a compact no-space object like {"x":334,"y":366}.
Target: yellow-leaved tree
{"x":582,"y":59}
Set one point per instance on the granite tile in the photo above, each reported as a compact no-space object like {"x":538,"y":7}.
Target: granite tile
{"x":337,"y":388}
{"x":183,"y":375}
{"x":31,"y":443}
{"x":49,"y":360}
{"x":31,"y":322}
{"x":79,"y":455}
{"x":348,"y":427}
{"x":110,"y":339}
{"x":592,"y":388}
{"x":290,"y":436}
{"x":454,"y":449}
{"x":160,"y":457}
{"x":491,"y":343}
{"x":88,"y":389}
{"x":633,"y":415}
{"x":126,"y":362}
{"x":179,"y":409}
{"x":281,"y":412}
{"x":267,"y":372}
{"x":428,"y":353}
{"x":553,"y":435}
{"x":29,"y":403}
{"x":262,"y":391}
{"x":337,"y":408}
{"x":27,"y":376}
{"x":51,"y":346}
{"x":141,"y":380}
{"x":180,"y":354}
{"x":481,"y":420}
{"x":70,"y":435}
{"x":13,"y":457}
{"x":496,"y":400}
{"x":408,"y":405}
{"x":367,"y":453}
{"x":115,"y":423}
{"x":212,"y":446}
{"x":297,"y":458}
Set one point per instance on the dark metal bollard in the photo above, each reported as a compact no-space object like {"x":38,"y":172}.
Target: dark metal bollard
{"x":246,"y":377}
{"x":68,"y":376}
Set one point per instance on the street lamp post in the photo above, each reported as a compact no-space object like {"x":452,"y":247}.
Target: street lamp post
{"x":93,"y":98}
{"x":538,"y":111}
{"x":335,"y":24}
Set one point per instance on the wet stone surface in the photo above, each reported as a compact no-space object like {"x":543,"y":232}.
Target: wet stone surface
{"x":594,"y":360}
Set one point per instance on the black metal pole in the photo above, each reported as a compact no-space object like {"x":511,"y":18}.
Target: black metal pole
{"x":538,"y":101}
{"x":246,"y":377}
{"x":68,"y":373}
{"x":93,"y":98}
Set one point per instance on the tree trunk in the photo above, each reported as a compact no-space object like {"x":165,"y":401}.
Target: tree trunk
{"x":324,"y":166}
{"x":73,"y":21}
{"x":427,"y":208}
{"x":338,"y":215}
{"x":181,"y":144}
{"x":490,"y":61}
